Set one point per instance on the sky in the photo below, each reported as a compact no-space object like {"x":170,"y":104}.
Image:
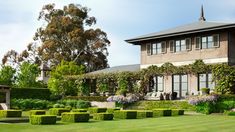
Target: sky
{"x":120,"y":19}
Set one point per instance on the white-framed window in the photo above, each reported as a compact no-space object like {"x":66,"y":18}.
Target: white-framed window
{"x":156,"y":84}
{"x":156,"y":48}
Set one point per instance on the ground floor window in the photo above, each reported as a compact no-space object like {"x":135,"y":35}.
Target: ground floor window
{"x":180,"y":85}
{"x":156,"y":84}
{"x":205,"y":81}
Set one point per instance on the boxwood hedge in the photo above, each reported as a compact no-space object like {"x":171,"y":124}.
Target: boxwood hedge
{"x":75,"y":117}
{"x":161,"y":112}
{"x":93,"y":110}
{"x":42,"y":119}
{"x":37,"y":112}
{"x":103,"y":116}
{"x":58,"y":111}
{"x":10,"y":113}
{"x":125,"y":114}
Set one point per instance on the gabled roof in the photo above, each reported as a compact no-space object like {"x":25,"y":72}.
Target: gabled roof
{"x":122,"y":68}
{"x":195,"y":27}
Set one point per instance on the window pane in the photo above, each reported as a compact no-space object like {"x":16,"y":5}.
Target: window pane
{"x":160,"y":87}
{"x":204,"y":42}
{"x":176,"y":87}
{"x":154,"y":47}
{"x":184,"y":78}
{"x":183,"y":45}
{"x":176,"y":78}
{"x":184,"y":86}
{"x":159,"y":48}
{"x":160,"y":79}
{"x":202,"y":85}
{"x":177,"y":46}
{"x":202,"y":77}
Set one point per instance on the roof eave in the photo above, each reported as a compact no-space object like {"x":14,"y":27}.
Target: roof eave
{"x":135,"y":41}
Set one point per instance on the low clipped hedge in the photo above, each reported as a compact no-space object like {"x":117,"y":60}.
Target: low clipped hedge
{"x":93,"y":110}
{"x":175,"y":112}
{"x":58,"y":111}
{"x":75,"y":117}
{"x":125,"y":114}
{"x":229,"y":113}
{"x":161,"y":112}
{"x":88,"y":98}
{"x":167,"y":104}
{"x":37,"y":112}
{"x":79,"y":110}
{"x":42,"y":119}
{"x":144,"y":114}
{"x":111,"y":110}
{"x":10,"y":113}
{"x":103,"y":116}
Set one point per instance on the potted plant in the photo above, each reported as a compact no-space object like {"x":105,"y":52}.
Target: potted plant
{"x":205,"y":91}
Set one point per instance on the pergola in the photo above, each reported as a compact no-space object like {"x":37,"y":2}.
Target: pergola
{"x":6,"y":90}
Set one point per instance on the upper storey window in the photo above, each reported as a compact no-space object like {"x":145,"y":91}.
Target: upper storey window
{"x":207,"y":42}
{"x":180,"y":45}
{"x":156,"y":48}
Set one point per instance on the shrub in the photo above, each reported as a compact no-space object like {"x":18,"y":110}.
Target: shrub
{"x":83,"y":104}
{"x":88,"y":98}
{"x":42,"y":119}
{"x":149,"y":105}
{"x":30,"y":93}
{"x":37,"y":112}
{"x":58,"y":111}
{"x":103,"y":116}
{"x":75,"y":117}
{"x":79,"y":110}
{"x":25,"y":104}
{"x":125,"y":114}
{"x":144,"y":114}
{"x":10,"y":113}
{"x":111,"y":110}
{"x":58,"y":105}
{"x":161,"y":112}
{"x":75,"y":103}
{"x":230,"y":113}
{"x":175,"y":112}
{"x":205,"y":91}
{"x":93,"y":110}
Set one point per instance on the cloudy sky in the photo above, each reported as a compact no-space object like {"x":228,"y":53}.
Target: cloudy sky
{"x":120,"y":19}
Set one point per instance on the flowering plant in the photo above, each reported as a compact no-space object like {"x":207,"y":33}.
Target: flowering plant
{"x":195,"y":100}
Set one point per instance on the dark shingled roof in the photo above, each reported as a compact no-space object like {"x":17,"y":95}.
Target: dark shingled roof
{"x":195,"y":27}
{"x":122,"y":68}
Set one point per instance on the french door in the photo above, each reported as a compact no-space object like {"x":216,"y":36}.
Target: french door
{"x":180,"y":85}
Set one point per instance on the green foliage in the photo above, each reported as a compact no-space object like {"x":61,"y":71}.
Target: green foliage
{"x":83,"y":88}
{"x":75,"y":103}
{"x":7,"y":75}
{"x":205,"y":90}
{"x":75,"y":117}
{"x":224,"y":75}
{"x":58,"y":111}
{"x":230,"y":113}
{"x":125,"y":114}
{"x":93,"y":110}
{"x":26,"y":104}
{"x":37,"y":112}
{"x":111,"y":110}
{"x":102,"y":84}
{"x":161,"y":112}
{"x":30,"y":93}
{"x":27,"y":76}
{"x":175,"y":112}
{"x":58,"y":105}
{"x":144,"y":114}
{"x":42,"y":119}
{"x":149,"y":105}
{"x":88,"y":98}
{"x":79,"y":110}
{"x":205,"y":107}
{"x":10,"y":113}
{"x":60,"y":85}
{"x":103,"y":116}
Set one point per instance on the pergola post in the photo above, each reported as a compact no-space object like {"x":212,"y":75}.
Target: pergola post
{"x":6,"y":90}
{"x":8,"y":99}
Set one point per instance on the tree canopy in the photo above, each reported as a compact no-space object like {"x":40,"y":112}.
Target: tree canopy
{"x":66,"y":34}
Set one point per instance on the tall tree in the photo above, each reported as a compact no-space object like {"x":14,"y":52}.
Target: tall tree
{"x":7,"y":75}
{"x":67,"y":34}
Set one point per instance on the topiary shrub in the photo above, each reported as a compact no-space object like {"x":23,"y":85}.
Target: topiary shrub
{"x":161,"y":112}
{"x":42,"y":119}
{"x":93,"y":110}
{"x":10,"y":113}
{"x":175,"y":112}
{"x":111,"y":110}
{"x":144,"y":114}
{"x":75,"y":117}
{"x":58,"y":111}
{"x":125,"y":114}
{"x":37,"y":112}
{"x":79,"y":110}
{"x":103,"y":116}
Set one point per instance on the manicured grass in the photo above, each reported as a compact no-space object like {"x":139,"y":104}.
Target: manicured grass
{"x":192,"y":123}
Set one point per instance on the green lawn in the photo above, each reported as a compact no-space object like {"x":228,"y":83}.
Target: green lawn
{"x":192,"y":123}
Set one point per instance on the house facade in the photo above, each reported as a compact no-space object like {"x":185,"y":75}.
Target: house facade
{"x":212,"y":42}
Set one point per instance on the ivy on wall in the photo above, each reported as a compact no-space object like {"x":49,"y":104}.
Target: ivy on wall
{"x":223,"y":74}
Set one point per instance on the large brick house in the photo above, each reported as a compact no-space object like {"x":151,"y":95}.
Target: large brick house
{"x":212,"y":42}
